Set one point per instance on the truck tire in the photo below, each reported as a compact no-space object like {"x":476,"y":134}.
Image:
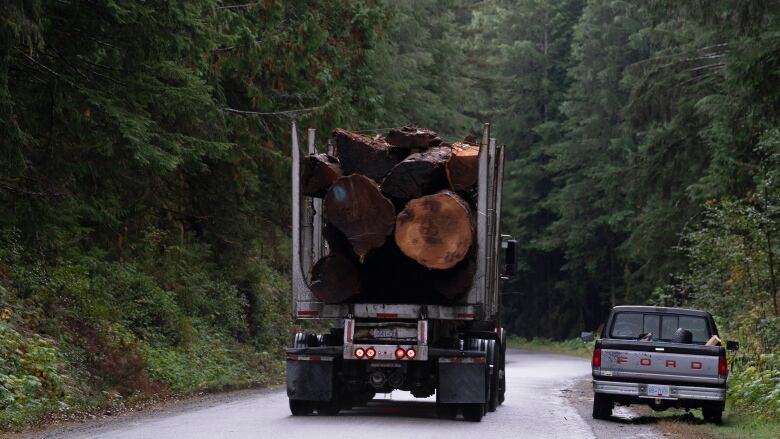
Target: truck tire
{"x":713,"y":414}
{"x":446,"y":411}
{"x":329,"y":408}
{"x":301,"y":408}
{"x":473,"y":412}
{"x":494,"y":356}
{"x":602,"y":406}
{"x":502,"y":370}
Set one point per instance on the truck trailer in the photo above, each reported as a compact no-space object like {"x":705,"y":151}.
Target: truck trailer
{"x":452,"y":350}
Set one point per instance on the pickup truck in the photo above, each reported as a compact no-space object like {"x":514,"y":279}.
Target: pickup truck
{"x":662,"y":357}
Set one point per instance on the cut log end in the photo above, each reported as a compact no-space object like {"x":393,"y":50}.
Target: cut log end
{"x":319,"y":172}
{"x":419,"y":174}
{"x":435,"y":230}
{"x":335,"y":278}
{"x":463,"y":167}
{"x":365,"y":155}
{"x":355,"y":205}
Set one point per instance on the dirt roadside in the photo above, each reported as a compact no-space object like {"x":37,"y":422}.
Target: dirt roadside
{"x":642,"y":420}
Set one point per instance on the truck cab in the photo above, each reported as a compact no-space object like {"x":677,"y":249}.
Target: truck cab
{"x":661,"y":357}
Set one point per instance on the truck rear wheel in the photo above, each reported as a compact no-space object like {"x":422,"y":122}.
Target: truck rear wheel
{"x":301,"y":408}
{"x":473,"y":412}
{"x":713,"y":414}
{"x":494,"y":367}
{"x":602,"y":406}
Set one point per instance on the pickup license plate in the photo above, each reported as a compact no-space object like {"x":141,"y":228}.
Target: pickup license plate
{"x":657,"y":391}
{"x":384,"y":333}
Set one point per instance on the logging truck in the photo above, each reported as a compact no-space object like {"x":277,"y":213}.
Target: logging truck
{"x":411,"y":302}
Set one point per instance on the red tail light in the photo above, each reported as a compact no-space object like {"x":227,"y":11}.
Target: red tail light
{"x":411,"y":353}
{"x":596,"y":362}
{"x":360,"y":352}
{"x":370,"y":353}
{"x":723,"y":367}
{"x":399,"y":353}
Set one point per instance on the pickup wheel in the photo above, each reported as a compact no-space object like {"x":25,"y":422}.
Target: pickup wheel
{"x":713,"y":414}
{"x":602,"y":406}
{"x":301,"y":408}
{"x":473,"y":412}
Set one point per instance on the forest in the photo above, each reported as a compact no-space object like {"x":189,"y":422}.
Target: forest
{"x":144,"y":172}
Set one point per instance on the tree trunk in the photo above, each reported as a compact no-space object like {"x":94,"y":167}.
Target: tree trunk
{"x":365,"y":155}
{"x":335,"y":278}
{"x":435,"y":230}
{"x":355,"y":205}
{"x":318,"y":173}
{"x":456,"y":281}
{"x":463,"y":167}
{"x":410,"y":137}
{"x":419,"y":174}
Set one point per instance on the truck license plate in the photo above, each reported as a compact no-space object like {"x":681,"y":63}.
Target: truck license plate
{"x":658,"y":391}
{"x":384,"y":333}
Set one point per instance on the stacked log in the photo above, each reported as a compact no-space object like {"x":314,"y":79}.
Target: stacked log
{"x":400,"y":217}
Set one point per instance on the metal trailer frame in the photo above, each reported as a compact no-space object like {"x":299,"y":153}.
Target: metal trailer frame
{"x":481,"y":302}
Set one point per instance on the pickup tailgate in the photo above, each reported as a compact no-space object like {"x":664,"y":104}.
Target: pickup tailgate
{"x":652,"y":362}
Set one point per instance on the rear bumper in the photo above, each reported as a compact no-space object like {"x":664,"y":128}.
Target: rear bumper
{"x":639,"y":391}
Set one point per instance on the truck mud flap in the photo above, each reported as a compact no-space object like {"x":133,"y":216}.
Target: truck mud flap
{"x":462,"y":380}
{"x":310,"y":377}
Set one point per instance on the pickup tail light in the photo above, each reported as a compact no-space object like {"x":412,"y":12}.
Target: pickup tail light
{"x":596,"y":362}
{"x":723,"y":367}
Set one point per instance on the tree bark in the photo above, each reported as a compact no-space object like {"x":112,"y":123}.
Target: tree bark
{"x":456,"y":281}
{"x":318,"y":173}
{"x":411,"y":137}
{"x":365,"y":155}
{"x":463,"y":167}
{"x":355,"y":205}
{"x":435,"y":230}
{"x":419,"y":174}
{"x":335,"y":278}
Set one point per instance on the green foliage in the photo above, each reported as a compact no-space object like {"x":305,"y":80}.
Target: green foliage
{"x":30,"y":378}
{"x":572,"y":346}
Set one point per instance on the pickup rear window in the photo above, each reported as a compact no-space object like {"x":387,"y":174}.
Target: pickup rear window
{"x":631,"y":325}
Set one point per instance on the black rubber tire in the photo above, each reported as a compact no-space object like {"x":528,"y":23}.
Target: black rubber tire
{"x":328,"y":408}
{"x":602,"y":406}
{"x":301,"y":408}
{"x":502,"y":374}
{"x":713,"y":414}
{"x":473,"y":412}
{"x":495,"y":360}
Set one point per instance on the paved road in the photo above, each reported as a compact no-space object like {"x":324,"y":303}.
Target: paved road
{"x":537,"y":406}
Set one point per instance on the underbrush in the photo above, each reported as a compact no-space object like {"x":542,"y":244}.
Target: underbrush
{"x":85,"y":333}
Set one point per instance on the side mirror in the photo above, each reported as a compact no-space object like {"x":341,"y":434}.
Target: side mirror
{"x":732,"y":345}
{"x":587,"y":336}
{"x":510,"y":258}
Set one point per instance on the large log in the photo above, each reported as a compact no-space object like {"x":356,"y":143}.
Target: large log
{"x":319,"y":172}
{"x":357,"y":207}
{"x":411,"y":137}
{"x":463,"y":166}
{"x":435,"y":230}
{"x":455,"y":282}
{"x":335,"y":278}
{"x":365,"y":155}
{"x":419,"y":174}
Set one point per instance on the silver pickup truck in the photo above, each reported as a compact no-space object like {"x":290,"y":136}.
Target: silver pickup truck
{"x":660,"y":357}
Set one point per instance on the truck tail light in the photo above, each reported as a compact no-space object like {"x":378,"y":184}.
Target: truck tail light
{"x":411,"y":353}
{"x":399,"y":353}
{"x":370,"y":353}
{"x":596,"y":362}
{"x":360,"y":352}
{"x":723,"y":367}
